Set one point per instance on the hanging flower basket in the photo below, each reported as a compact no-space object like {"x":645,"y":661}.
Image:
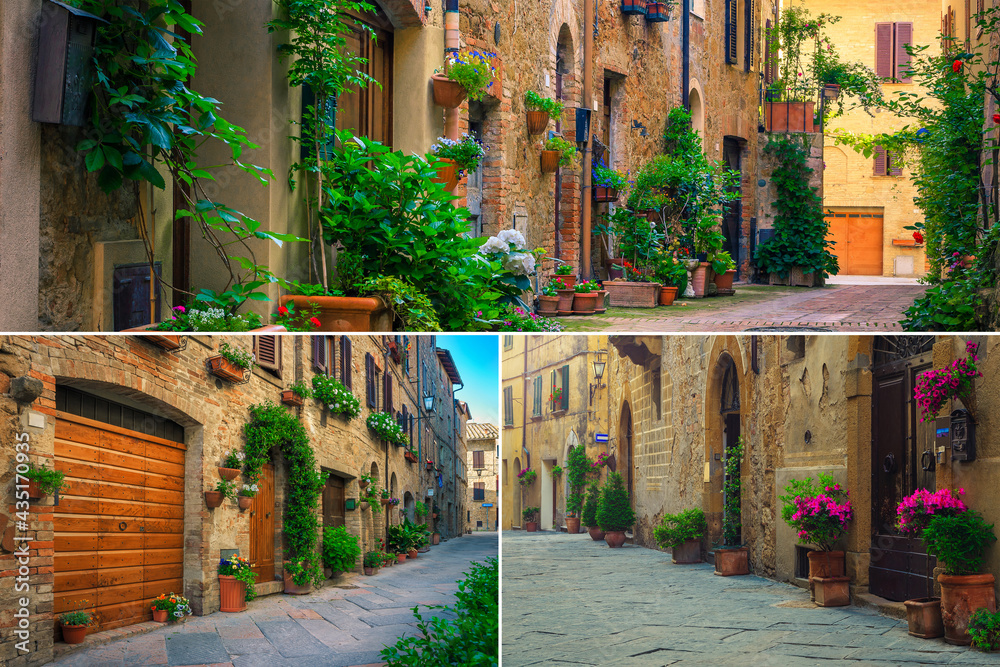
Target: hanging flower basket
{"x":537,"y":121}
{"x":634,"y":7}
{"x":228,"y":474}
{"x":603,"y":194}
{"x":656,"y":12}
{"x":550,"y":161}
{"x":213,"y":499}
{"x":447,"y":93}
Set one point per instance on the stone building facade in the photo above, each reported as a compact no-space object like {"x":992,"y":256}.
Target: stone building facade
{"x":484,"y":477}
{"x":96,"y":408}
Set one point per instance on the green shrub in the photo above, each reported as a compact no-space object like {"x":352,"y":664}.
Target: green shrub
{"x":567,"y":149}
{"x":589,"y":517}
{"x":535,"y":102}
{"x":732,"y":523}
{"x":614,"y":513}
{"x":959,"y":541}
{"x":340,"y":549}
{"x":577,"y":469}
{"x":472,"y":637}
{"x":48,"y":480}
{"x":984,"y":628}
{"x":676,"y":529}
{"x":528,"y":514}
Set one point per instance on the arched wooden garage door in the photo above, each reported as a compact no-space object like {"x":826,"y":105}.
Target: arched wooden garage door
{"x":119,"y":524}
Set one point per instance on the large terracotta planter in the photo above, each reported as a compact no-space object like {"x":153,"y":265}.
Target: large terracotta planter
{"x":213,"y":498}
{"x":548,"y":305}
{"x":566,"y":298}
{"x":725,"y":280}
{"x":531,"y":526}
{"x":228,"y":474}
{"x":698,"y":279}
{"x":614,"y":538}
{"x":960,"y":596}
{"x":447,"y":173}
{"x":832,"y":591}
{"x":732,"y":562}
{"x":667,"y":295}
{"x":293,"y":588}
{"x":687,"y":553}
{"x":160,"y":615}
{"x":633,"y":295}
{"x":789,"y":116}
{"x":584,"y":303}
{"x":232,"y":594}
{"x":35,"y":490}
{"x":74,"y":634}
{"x":400,"y":558}
{"x":289,"y":397}
{"x":826,"y":564}
{"x":602,"y":301}
{"x":596,"y":533}
{"x":447,"y":93}
{"x":223,"y":368}
{"x":537,"y":121}
{"x":923,"y":616}
{"x":345,"y":313}
{"x":573,"y":525}
{"x":549,"y":161}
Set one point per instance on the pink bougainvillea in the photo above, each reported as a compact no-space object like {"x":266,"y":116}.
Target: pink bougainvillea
{"x":819,"y":514}
{"x":935,"y":387}
{"x":915,"y":511}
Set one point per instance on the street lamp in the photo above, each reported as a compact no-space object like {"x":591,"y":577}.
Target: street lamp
{"x":599,"y":365}
{"x":429,"y":402}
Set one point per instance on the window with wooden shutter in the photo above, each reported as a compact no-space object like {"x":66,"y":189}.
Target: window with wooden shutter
{"x":267,"y":349}
{"x":346,"y":375}
{"x":565,"y":387}
{"x":536,"y":393}
{"x":881,"y":161}
{"x":508,"y":406}
{"x":749,"y":27}
{"x":387,"y":391}
{"x":371,"y":381}
{"x":904,"y":37}
{"x":894,"y":169}
{"x":478,"y":459}
{"x":883,"y":50}
{"x":732,"y":31}
{"x":319,"y":353}
{"x":479,"y":491}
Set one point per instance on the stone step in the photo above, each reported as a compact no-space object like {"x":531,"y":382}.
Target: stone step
{"x":269,"y":587}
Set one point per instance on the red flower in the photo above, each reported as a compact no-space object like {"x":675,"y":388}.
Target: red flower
{"x":918,"y":237}
{"x":314,"y":321}
{"x":957,"y":66}
{"x":282,"y":310}
{"x":996,"y":118}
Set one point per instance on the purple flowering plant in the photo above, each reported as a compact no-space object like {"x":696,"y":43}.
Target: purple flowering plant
{"x":936,"y":387}
{"x":917,"y":510}
{"x":819,"y":513}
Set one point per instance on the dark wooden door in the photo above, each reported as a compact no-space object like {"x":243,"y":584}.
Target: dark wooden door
{"x":368,"y":110}
{"x":625,"y":438}
{"x":732,"y":227}
{"x":262,"y":526}
{"x":131,"y":285}
{"x":900,"y":567}
{"x":333,"y":502}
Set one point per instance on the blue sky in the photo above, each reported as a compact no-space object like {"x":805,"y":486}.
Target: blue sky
{"x":477,"y":357}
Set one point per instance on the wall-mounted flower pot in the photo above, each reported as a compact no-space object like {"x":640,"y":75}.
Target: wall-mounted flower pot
{"x":667,"y":295}
{"x":537,"y":121}
{"x":832,"y":591}
{"x":447,"y":93}
{"x":344,"y":313}
{"x":634,"y":7}
{"x":223,"y":368}
{"x":244,"y":502}
{"x":724,"y":281}
{"x":603,"y":194}
{"x":447,"y":174}
{"x":923,"y":616}
{"x":362,"y":484}
{"x":602,"y":302}
{"x":531,"y":526}
{"x":550,"y":161}
{"x":573,"y":525}
{"x":289,"y":397}
{"x":584,"y":303}
{"x":163,"y":341}
{"x":410,"y":456}
{"x":614,"y":538}
{"x":384,"y":501}
{"x":213,"y":499}
{"x":160,"y":615}
{"x":596,"y":533}
{"x":35,"y":491}
{"x":732,"y":562}
{"x":960,"y":596}
{"x":657,"y":12}
{"x":566,"y":298}
{"x":228,"y":474}
{"x":548,"y":305}
{"x":232,"y":594}
{"x":687,"y":553}
{"x":831,"y":91}
{"x":74,"y":634}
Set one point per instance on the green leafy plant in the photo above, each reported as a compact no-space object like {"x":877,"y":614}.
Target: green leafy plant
{"x":722,"y":261}
{"x":410,"y":307}
{"x":567,"y":149}
{"x":466,"y":152}
{"x":556,"y":471}
{"x":305,"y":571}
{"x":49,"y":480}
{"x":578,"y":467}
{"x":374,"y":559}
{"x":301,"y":389}
{"x":819,"y":513}
{"x":614,"y":511}
{"x":249,"y":490}
{"x":340,"y":549}
{"x":535,"y":102}
{"x":226,"y":488}
{"x":473,"y":70}
{"x":337,"y":398}
{"x":670,"y":272}
{"x":373,"y":497}
{"x":176,"y":606}
{"x":237,"y":356}
{"x":529,"y":513}
{"x":526,"y":477}
{"x":732,"y":515}
{"x":564,"y":270}
{"x":676,"y":529}
{"x":589,"y":515}
{"x":634,"y":237}
{"x":387,"y":428}
{"x":548,"y":290}
{"x":586,"y":287}
{"x":239,"y":567}
{"x":77,"y":617}
{"x":984,"y":628}
{"x":233,"y":459}
{"x":419,"y":509}
{"x":959,"y":541}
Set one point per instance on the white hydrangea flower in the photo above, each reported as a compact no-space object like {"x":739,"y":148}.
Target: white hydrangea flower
{"x":520,"y":263}
{"x":494,"y":245}
{"x":512,"y":236}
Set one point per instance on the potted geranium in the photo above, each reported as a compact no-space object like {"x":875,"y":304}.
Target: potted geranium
{"x":530,"y":516}
{"x":557,"y":153}
{"x":614,"y":511}
{"x":563,"y":273}
{"x":606,"y":183}
{"x":231,"y":363}
{"x":467,"y":74}
{"x":585,"y":298}
{"x":548,"y":301}
{"x":232,"y":463}
{"x":539,"y":110}
{"x":820,"y":514}
{"x":732,"y":558}
{"x":296,"y":394}
{"x":373,"y":561}
{"x":170,"y":607}
{"x":246,"y":496}
{"x":456,"y":158}
{"x":936,"y":387}
{"x":75,"y":623}
{"x":589,"y":514}
{"x":960,"y":541}
{"x":43,"y":481}
{"x":682,"y":534}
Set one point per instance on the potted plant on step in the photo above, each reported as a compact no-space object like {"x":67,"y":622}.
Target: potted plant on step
{"x":373,"y":560}
{"x":75,"y":623}
{"x":585,"y":298}
{"x":563,"y":276}
{"x":539,"y":110}
{"x":340,"y":550}
{"x":566,"y":294}
{"x":301,"y":575}
{"x":467,"y":74}
{"x":589,"y":516}
{"x":733,"y":558}
{"x":456,"y":158}
{"x":548,"y":301}
{"x":170,"y":607}
{"x":682,"y":534}
{"x":530,"y":516}
{"x":43,"y":481}
{"x":960,"y":542}
{"x":296,"y":394}
{"x":232,"y":463}
{"x":614,"y":511}
{"x":820,"y":514}
{"x":556,"y":153}
{"x":607,"y":183}
{"x":236,"y":584}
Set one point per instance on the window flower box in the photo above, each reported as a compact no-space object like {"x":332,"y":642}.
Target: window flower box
{"x":289,"y":397}
{"x":634,"y":7}
{"x":410,"y":456}
{"x":168,"y":343}
{"x":632,"y":295}
{"x":657,"y":12}
{"x":223,"y":368}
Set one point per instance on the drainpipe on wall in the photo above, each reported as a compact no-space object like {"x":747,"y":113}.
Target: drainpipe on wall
{"x":452,"y":43}
{"x":588,"y":156}
{"x":686,"y":49}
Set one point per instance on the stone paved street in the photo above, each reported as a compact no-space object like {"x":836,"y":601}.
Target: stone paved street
{"x":843,"y":307}
{"x":346,"y":625}
{"x":568,"y":599}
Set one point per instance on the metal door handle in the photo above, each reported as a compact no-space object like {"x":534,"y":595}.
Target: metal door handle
{"x":928,"y":455}
{"x":889,"y":464}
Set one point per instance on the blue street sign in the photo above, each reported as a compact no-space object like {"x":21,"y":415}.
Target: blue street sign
{"x":600,"y":437}
{"x":487,"y":504}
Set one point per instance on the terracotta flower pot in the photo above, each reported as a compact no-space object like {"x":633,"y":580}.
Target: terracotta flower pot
{"x":400,"y":558}
{"x":549,"y":161}
{"x":548,"y":305}
{"x":344,"y":313}
{"x":687,"y":553}
{"x":568,"y":281}
{"x":293,"y":588}
{"x":657,"y":12}
{"x":244,"y":502}
{"x":725,"y":280}
{"x":634,"y":7}
{"x":832,"y":591}
{"x":228,"y":474}
{"x":789,"y":116}
{"x":232,"y":594}
{"x":447,"y":93}
{"x":160,"y":615}
{"x":537,"y":121}
{"x":447,"y":174}
{"x":667,"y":295}
{"x":566,"y":298}
{"x":698,"y":279}
{"x":602,"y":300}
{"x":573,"y":525}
{"x":213,"y":498}
{"x":362,"y":484}
{"x":596,"y":533}
{"x":732,"y":562}
{"x":225,"y":369}
{"x":289,"y":397}
{"x":531,"y":526}
{"x":603,"y":194}
{"x":826,"y":564}
{"x":614,"y":538}
{"x":370,"y":571}
{"x":384,"y":501}
{"x":35,"y":491}
{"x":163,"y":341}
{"x":960,"y":596}
{"x":412,"y":553}
{"x":584,"y":303}
{"x":923,"y":616}
{"x":74,"y":634}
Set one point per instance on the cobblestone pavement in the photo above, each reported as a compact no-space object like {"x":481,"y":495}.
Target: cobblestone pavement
{"x":346,"y":625}
{"x":836,"y":307}
{"x":568,"y":599}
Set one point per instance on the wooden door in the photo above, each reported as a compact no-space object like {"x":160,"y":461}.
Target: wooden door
{"x":858,"y":241}
{"x":119,"y":524}
{"x":625,"y":438}
{"x":262,"y":526}
{"x":333,"y":502}
{"x":368,"y":110}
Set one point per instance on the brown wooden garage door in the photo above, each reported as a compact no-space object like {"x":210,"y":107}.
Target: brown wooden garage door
{"x":858,"y":238}
{"x":119,"y":525}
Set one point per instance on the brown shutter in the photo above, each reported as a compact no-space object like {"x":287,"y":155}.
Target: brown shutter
{"x":478,"y":459}
{"x":387,"y":391}
{"x":883,"y":50}
{"x":319,"y":353}
{"x":732,"y":26}
{"x":881,"y":159}
{"x":565,"y":387}
{"x":346,"y":374}
{"x":904,"y":37}
{"x":371,"y":391}
{"x":749,"y":27}
{"x":268,"y":353}
{"x":891,"y":163}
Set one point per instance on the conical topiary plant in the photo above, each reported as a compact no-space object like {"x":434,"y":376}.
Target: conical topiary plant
{"x":589,"y":518}
{"x":614,"y":513}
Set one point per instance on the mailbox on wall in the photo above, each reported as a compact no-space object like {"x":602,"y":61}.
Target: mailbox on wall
{"x":963,"y":436}
{"x":65,"y":64}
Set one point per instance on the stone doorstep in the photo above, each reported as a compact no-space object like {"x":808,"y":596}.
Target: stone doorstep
{"x":269,"y":587}
{"x":881,"y":605}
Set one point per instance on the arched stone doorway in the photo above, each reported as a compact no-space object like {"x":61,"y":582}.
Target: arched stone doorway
{"x":408,"y":506}
{"x":723,"y":406}
{"x":624,"y":456}
{"x":389,"y":509}
{"x":516,"y":493}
